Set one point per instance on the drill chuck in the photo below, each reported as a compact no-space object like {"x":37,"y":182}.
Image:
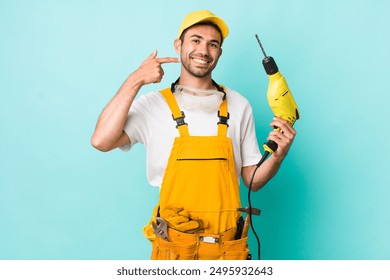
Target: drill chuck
{"x":270,"y":65}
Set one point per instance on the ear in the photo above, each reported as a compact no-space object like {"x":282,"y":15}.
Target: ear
{"x":220,"y":52}
{"x":177,"y":45}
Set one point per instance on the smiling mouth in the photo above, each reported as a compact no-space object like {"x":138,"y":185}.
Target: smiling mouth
{"x":200,"y":61}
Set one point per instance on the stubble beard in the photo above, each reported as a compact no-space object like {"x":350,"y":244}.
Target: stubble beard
{"x":198,"y":72}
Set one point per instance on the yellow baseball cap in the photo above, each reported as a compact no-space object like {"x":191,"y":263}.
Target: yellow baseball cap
{"x":202,"y":16}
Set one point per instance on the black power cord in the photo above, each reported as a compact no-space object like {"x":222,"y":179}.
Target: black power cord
{"x":263,"y":158}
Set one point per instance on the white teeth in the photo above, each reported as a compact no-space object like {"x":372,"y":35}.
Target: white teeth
{"x":200,"y":61}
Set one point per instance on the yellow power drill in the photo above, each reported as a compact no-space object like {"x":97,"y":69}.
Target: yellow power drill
{"x":283,"y":106}
{"x":279,"y":96}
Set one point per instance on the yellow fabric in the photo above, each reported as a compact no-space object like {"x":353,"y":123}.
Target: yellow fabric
{"x":222,"y":128}
{"x":201,"y":179}
{"x":199,"y":194}
{"x":176,"y":113}
{"x":184,"y":246}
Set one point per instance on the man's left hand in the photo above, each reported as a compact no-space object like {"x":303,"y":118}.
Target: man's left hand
{"x":283,"y":137}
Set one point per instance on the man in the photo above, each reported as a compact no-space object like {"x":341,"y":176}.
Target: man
{"x":197,"y":157}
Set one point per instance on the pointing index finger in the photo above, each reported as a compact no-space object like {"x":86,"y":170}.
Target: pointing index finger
{"x":162,"y":60}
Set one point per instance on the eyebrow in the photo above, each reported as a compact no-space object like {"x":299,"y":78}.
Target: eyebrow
{"x":200,"y":37}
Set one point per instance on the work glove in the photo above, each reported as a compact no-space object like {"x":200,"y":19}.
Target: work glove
{"x":179,"y":219}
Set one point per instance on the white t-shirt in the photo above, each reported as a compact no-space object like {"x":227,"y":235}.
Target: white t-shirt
{"x":150,"y":122}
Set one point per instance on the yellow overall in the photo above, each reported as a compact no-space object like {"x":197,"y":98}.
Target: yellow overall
{"x":199,"y":196}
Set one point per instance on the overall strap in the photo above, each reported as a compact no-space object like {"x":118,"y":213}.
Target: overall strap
{"x":177,"y":115}
{"x":223,"y":117}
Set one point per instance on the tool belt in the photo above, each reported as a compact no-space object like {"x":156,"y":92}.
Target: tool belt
{"x":200,"y":246}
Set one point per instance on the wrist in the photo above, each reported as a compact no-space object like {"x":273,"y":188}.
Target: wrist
{"x":276,"y":159}
{"x":132,"y":85}
{"x":135,"y":81}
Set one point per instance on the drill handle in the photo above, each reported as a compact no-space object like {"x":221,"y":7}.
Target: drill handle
{"x":270,"y":146}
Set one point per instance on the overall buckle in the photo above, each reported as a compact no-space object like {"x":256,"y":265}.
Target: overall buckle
{"x":179,"y":120}
{"x":223,"y":119}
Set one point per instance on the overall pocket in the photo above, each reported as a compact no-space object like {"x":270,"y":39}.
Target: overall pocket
{"x":166,"y":250}
{"x":235,"y":249}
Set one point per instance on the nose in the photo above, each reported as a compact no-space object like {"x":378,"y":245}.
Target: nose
{"x":204,"y":49}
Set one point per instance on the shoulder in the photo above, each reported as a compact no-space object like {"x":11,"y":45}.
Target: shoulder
{"x":236,"y":100}
{"x":149,"y":100}
{"x":235,"y":96}
{"x":153,"y":96}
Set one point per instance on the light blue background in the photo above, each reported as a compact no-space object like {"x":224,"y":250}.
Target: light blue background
{"x":62,"y":61}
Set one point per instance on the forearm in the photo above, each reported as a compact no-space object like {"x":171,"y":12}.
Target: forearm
{"x":264,"y":173}
{"x":111,"y":122}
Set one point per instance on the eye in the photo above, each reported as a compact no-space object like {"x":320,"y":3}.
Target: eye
{"x":196,"y":41}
